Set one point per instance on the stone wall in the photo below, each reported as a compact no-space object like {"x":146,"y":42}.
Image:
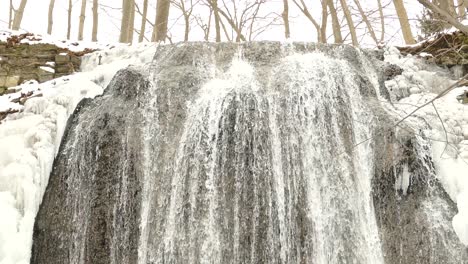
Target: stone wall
{"x":41,"y":62}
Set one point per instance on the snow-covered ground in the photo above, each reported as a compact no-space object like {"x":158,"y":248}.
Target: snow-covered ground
{"x":448,"y":126}
{"x":30,"y":139}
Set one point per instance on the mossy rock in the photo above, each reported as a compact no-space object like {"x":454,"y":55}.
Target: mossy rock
{"x":2,"y":90}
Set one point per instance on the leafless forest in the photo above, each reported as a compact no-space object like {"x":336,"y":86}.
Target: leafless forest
{"x":331,"y":21}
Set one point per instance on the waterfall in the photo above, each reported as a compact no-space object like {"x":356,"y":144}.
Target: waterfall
{"x":225,"y":153}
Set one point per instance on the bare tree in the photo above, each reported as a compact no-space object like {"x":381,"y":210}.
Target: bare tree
{"x":186,"y":7}
{"x":323,"y":28}
{"x":161,"y":21}
{"x":382,"y":21}
{"x":70,"y":7}
{"x":124,"y":21}
{"x":444,"y":15}
{"x":350,"y":22}
{"x":335,"y":22}
{"x":305,"y":10}
{"x":214,"y":5}
{"x":226,"y":33}
{"x":10,"y":15}
{"x":18,"y":15}
{"x":404,"y":23}
{"x":245,"y":18}
{"x":131,"y":22}
{"x":285,"y":16}
{"x":230,"y":13}
{"x":254,"y":17}
{"x":127,"y":22}
{"x":143,"y":21}
{"x":366,"y":20}
{"x":82,"y":19}
{"x":51,"y":17}
{"x":95,"y":20}
{"x":204,"y":26}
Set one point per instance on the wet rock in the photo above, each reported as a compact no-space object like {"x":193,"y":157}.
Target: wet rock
{"x":414,"y":219}
{"x":97,"y":208}
{"x":204,"y":158}
{"x":391,"y":71}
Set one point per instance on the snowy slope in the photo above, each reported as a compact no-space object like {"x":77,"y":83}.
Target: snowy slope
{"x":447,"y":126}
{"x":30,"y":139}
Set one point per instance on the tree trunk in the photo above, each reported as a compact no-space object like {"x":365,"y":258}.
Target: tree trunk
{"x":187,"y":27}
{"x":216,"y":16}
{"x":323,"y":28}
{"x":51,"y":17}
{"x":70,"y":6}
{"x":124,"y":23}
{"x":131,"y":22}
{"x":10,"y":15}
{"x":95,"y":20}
{"x":225,"y":31}
{"x":285,"y":16}
{"x":162,"y":16}
{"x":208,"y":26}
{"x":350,"y":22}
{"x":143,"y":21}
{"x":335,"y":22}
{"x":19,"y":15}
{"x":405,"y":26}
{"x":82,"y":19}
{"x":382,"y":21}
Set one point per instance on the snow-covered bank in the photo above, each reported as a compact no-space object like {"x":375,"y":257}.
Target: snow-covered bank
{"x":448,"y":126}
{"x":30,"y":139}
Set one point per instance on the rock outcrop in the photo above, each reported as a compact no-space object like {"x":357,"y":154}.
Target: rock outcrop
{"x":244,"y":153}
{"x":42,"y":62}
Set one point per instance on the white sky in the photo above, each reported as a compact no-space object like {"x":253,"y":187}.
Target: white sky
{"x":35,"y":20}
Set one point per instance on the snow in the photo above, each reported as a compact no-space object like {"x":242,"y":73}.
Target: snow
{"x":450,"y":148}
{"x":403,"y":180}
{"x":74,"y":46}
{"x":47,"y":69}
{"x":30,"y":140}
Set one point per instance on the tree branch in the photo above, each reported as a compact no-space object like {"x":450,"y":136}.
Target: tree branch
{"x":448,"y":18}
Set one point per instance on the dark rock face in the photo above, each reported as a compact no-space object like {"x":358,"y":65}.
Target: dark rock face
{"x":93,"y":200}
{"x":391,"y":71}
{"x":239,"y":153}
{"x":414,"y":220}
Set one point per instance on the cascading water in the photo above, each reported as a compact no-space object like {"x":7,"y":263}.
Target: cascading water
{"x":252,"y":153}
